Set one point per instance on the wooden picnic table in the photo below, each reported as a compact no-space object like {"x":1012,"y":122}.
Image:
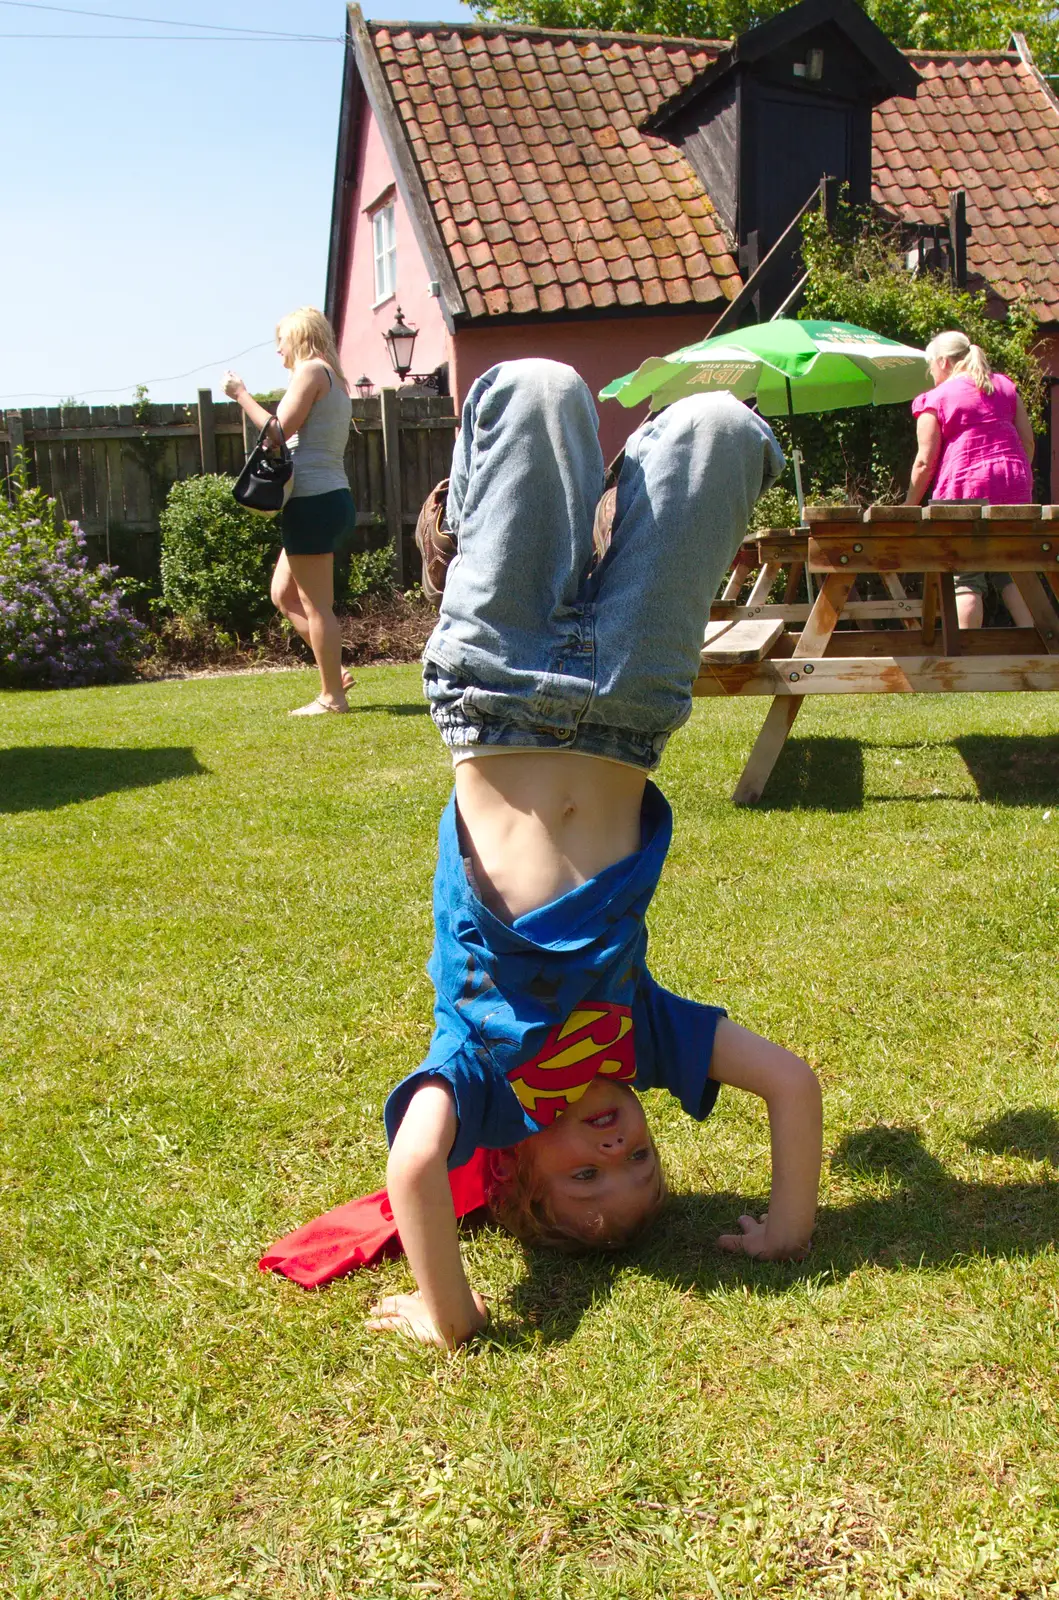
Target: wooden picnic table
{"x":790,"y":650}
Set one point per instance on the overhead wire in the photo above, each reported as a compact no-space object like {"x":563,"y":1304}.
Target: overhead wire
{"x":181,"y":38}
{"x":157,"y":22}
{"x":39,"y":394}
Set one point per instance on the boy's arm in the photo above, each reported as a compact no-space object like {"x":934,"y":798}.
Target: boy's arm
{"x":445,"y":1311}
{"x":791,"y":1092}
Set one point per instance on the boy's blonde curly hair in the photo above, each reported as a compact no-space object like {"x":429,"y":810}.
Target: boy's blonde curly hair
{"x":518,"y":1201}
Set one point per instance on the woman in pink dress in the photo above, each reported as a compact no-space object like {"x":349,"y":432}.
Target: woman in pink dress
{"x":975,"y":442}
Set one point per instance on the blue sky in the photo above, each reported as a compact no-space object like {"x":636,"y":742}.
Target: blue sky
{"x":163,"y":202}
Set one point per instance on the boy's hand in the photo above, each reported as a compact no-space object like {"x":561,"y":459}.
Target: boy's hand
{"x":754,"y":1241}
{"x":406,"y":1314}
{"x":791,"y":1093}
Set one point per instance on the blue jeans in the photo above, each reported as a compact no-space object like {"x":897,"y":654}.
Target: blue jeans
{"x":539,"y":646}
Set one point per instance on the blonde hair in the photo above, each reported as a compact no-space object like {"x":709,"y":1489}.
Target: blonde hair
{"x":310,"y":334}
{"x":968,"y":360}
{"x":518,"y":1201}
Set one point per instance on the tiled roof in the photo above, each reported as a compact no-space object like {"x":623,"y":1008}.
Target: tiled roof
{"x":547,"y":196}
{"x":987,"y":124}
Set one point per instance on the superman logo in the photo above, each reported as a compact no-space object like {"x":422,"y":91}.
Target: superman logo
{"x":595,"y":1041}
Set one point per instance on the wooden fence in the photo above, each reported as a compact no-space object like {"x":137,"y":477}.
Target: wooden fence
{"x":111,"y":467}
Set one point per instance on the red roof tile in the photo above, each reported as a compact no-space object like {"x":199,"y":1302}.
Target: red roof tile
{"x":987,"y":124}
{"x":539,"y":128}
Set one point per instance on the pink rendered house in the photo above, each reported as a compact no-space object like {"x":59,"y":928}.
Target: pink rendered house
{"x":599,"y":198}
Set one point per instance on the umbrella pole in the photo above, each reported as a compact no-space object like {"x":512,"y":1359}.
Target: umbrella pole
{"x":796,"y":457}
{"x":796,"y":461}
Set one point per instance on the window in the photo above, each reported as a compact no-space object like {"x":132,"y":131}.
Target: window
{"x":384,"y":236}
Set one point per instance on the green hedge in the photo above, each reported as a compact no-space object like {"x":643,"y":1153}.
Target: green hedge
{"x":217,"y":560}
{"x":216,"y":557}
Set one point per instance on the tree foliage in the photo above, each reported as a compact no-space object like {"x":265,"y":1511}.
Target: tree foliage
{"x":857,"y":273}
{"x":910,"y":24}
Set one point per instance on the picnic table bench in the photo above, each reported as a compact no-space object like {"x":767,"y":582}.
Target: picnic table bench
{"x":792,"y":649}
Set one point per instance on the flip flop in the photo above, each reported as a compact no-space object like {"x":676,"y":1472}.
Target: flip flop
{"x":348,"y":680}
{"x":317,"y":708}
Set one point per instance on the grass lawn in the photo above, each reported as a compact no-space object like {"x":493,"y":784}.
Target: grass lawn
{"x":213,"y":931}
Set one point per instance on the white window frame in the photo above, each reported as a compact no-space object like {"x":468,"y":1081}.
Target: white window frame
{"x":384,"y":243}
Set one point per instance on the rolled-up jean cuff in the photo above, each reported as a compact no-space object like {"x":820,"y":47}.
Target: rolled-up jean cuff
{"x":606,"y":743}
{"x":626,"y":745}
{"x":521,"y":710}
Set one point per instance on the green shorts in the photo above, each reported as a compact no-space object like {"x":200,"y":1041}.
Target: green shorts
{"x":312,"y":524}
{"x":980,"y":583}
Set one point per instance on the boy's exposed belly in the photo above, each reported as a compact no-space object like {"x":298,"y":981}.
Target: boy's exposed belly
{"x":538,"y":824}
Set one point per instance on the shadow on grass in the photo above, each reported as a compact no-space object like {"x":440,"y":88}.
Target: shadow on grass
{"x":409,"y":708}
{"x":1014,"y":770}
{"x":828,"y":774}
{"x":1033,"y":1133}
{"x":816,"y":775}
{"x":44,"y":777}
{"x":927,"y":1218}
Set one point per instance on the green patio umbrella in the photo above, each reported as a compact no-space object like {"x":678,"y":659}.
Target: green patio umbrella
{"x":791,"y":368}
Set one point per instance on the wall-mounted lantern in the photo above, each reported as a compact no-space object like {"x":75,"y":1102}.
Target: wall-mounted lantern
{"x":400,"y":342}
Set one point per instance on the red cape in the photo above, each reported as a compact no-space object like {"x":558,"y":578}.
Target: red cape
{"x":362,"y":1232}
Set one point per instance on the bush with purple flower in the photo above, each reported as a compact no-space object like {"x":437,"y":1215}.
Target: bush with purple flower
{"x":63,"y":623}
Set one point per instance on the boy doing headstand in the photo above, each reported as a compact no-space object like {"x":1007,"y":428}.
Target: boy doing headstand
{"x":556,"y":677}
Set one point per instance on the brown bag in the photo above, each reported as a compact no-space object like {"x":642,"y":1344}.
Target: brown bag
{"x":435,"y":542}
{"x":603,"y":522}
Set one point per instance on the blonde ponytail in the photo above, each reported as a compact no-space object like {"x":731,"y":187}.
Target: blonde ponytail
{"x":968,"y":360}
{"x":975,"y":366}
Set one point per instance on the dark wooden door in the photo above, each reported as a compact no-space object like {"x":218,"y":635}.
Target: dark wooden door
{"x":799,"y":141}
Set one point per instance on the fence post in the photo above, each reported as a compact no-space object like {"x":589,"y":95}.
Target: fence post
{"x":391,"y":456}
{"x":207,"y":435}
{"x":16,"y":437}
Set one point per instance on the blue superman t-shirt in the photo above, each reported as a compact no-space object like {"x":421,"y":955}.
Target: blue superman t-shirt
{"x":528,"y":1014}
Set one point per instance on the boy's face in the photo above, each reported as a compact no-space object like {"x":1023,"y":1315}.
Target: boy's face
{"x":598,"y":1162}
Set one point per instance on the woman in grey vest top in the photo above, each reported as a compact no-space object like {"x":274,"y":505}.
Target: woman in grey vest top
{"x":315,"y":416}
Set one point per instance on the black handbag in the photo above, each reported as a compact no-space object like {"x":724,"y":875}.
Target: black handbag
{"x":266,"y":480}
